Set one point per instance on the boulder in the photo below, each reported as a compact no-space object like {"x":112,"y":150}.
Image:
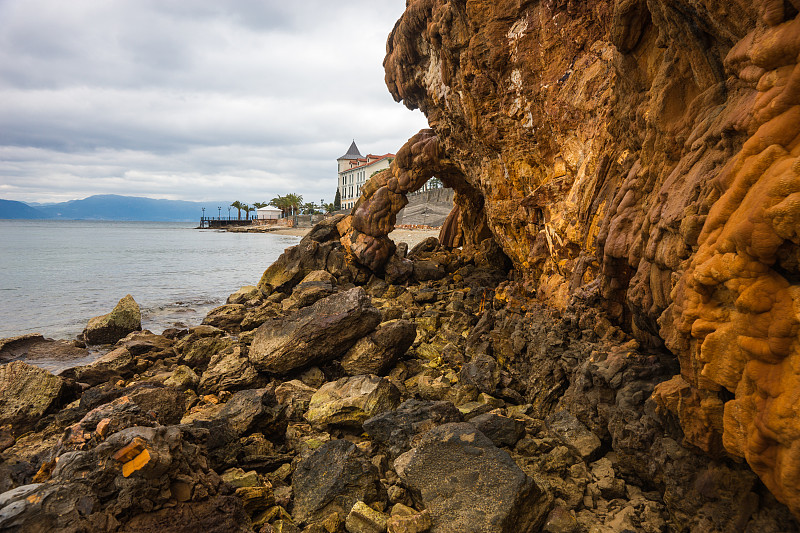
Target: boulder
{"x":425,"y":270}
{"x":407,"y":520}
{"x":228,"y":370}
{"x":108,"y":329}
{"x":254,"y":409}
{"x":574,"y":434}
{"x":365,"y":519}
{"x":118,"y":363}
{"x":378,"y":352}
{"x":469,"y":484}
{"x":315,"y":286}
{"x":397,"y":429}
{"x":139,"y":479}
{"x":482,"y":372}
{"x":182,"y":378}
{"x":227,"y":317}
{"x":243,"y":295}
{"x":501,"y":430}
{"x":315,"y":334}
{"x":27,"y":393}
{"x":333,"y":479}
{"x":49,"y":354}
{"x":295,"y":396}
{"x":350,"y":401}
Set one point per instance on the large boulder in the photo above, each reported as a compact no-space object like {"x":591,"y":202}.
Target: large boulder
{"x":469,"y":484}
{"x":378,"y":352}
{"x":139,"y":479}
{"x":396,"y":429}
{"x":333,"y":479}
{"x":228,"y":370}
{"x":350,"y":401}
{"x":315,"y":334}
{"x":315,"y":286}
{"x":27,"y":393}
{"x":107,"y":329}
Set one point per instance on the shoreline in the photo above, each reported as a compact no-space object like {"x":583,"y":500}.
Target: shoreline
{"x":410,"y":236}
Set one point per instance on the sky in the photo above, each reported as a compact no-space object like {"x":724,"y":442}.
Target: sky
{"x":200,"y":100}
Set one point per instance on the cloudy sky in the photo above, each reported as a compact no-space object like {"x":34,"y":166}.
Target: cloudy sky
{"x":192,"y":99}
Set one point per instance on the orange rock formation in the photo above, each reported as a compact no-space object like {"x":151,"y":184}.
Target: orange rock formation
{"x":649,"y":150}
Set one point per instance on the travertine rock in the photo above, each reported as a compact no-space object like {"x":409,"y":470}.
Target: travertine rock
{"x":646,"y":151}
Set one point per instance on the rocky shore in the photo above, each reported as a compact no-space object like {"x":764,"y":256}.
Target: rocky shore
{"x":330,"y":399}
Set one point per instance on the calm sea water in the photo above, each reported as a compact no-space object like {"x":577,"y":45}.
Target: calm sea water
{"x":56,"y":275}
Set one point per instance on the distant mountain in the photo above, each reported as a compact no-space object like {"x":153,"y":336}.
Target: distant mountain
{"x":114,"y":207}
{"x":12,"y":209}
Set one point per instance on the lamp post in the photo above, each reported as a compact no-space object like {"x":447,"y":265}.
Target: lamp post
{"x":202,"y":217}
{"x":229,"y":213}
{"x":219,"y":212}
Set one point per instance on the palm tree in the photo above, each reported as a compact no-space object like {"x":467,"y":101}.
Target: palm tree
{"x":239,"y":206}
{"x":309,"y":208}
{"x":282,"y":203}
{"x":294,"y":201}
{"x":246,"y":208}
{"x":329,"y":208}
{"x":259,"y":205}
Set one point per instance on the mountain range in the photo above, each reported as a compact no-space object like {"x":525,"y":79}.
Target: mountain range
{"x":115,"y":207}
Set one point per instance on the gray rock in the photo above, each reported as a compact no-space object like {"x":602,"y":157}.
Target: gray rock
{"x":501,"y":430}
{"x":255,"y":409}
{"x":377,"y":353}
{"x":108,"y":329}
{"x":333,"y":479}
{"x":482,"y":372}
{"x":469,"y":484}
{"x":574,"y":434}
{"x":315,"y":334}
{"x":315,"y":286}
{"x":396,"y":429}
{"x":295,"y":396}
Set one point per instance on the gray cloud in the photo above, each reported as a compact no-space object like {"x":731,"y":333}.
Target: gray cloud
{"x":199,"y":100}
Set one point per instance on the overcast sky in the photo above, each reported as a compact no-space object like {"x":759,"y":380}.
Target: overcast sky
{"x":192,"y":99}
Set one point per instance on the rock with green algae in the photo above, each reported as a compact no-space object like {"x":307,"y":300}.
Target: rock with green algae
{"x":348,"y":402}
{"x":109,"y":328}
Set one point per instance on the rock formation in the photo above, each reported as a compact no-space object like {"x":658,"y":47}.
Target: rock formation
{"x":646,"y":152}
{"x":109,"y":328}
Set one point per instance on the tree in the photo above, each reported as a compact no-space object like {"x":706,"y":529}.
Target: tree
{"x":282,"y":203}
{"x":239,"y":206}
{"x":309,"y":208}
{"x":294,"y":201}
{"x":247,"y":209}
{"x":259,"y":205}
{"x":435,"y":183}
{"x":337,"y":201}
{"x":328,"y":208}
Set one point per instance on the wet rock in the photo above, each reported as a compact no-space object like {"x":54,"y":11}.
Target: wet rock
{"x":574,"y":434}
{"x":35,"y":349}
{"x":350,"y":401}
{"x":228,"y":370}
{"x":333,"y":479}
{"x":203,"y":342}
{"x":397,"y":429}
{"x":378,"y":352}
{"x":315,"y":334}
{"x":146,"y":343}
{"x":469,"y":484}
{"x":108,"y":329}
{"x":501,"y":430}
{"x":27,"y":393}
{"x":118,"y":363}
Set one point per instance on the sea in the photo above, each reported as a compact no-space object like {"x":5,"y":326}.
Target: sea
{"x":55,"y":275}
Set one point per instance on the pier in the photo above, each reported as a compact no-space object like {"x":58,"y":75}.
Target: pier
{"x":222,"y":222}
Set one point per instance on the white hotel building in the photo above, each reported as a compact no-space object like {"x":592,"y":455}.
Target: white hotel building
{"x":355,"y":170}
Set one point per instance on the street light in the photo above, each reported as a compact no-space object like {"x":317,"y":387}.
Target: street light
{"x":219,"y":213}
{"x":203,"y":217}
{"x":229,"y":213}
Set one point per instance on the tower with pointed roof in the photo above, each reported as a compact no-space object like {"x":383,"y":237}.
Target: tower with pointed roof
{"x":355,"y":170}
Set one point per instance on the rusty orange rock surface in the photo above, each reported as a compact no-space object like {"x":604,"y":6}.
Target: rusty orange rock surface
{"x":648,"y":151}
